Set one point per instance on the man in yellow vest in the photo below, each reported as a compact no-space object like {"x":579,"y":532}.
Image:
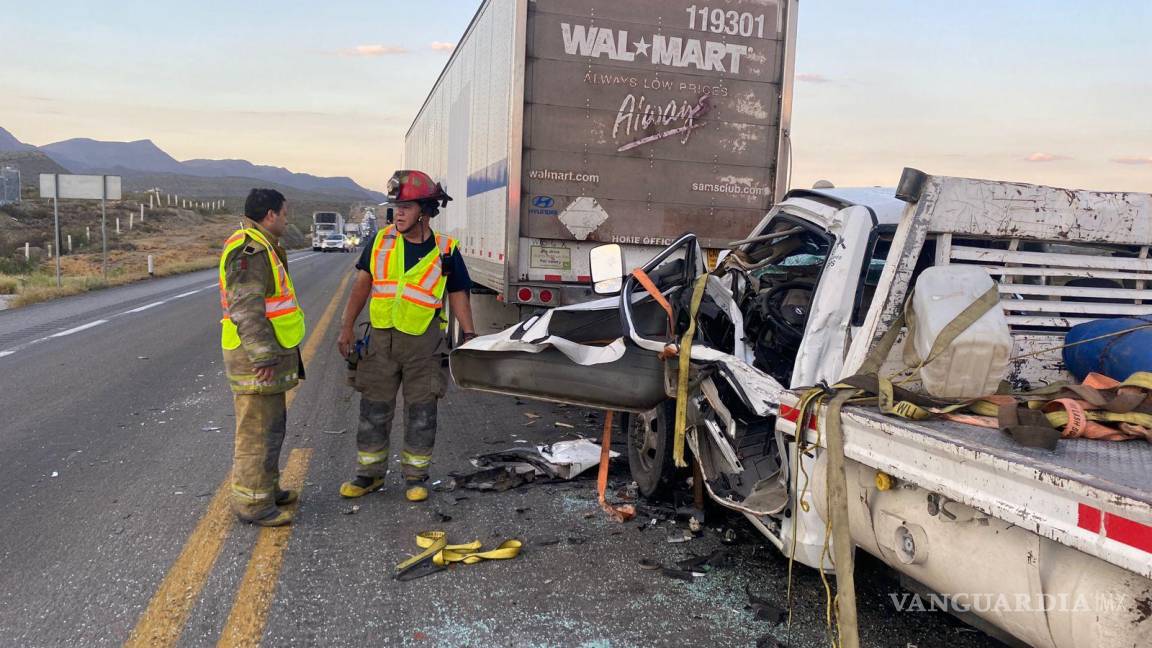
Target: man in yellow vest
{"x":261,"y":330}
{"x":406,"y":272}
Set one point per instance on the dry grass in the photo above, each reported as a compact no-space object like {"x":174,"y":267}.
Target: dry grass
{"x":175,"y":251}
{"x":9,"y":285}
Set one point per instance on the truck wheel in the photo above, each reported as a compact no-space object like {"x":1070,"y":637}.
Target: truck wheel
{"x":650,"y":449}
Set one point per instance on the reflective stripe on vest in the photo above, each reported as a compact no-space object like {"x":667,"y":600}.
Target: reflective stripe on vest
{"x":281,"y":308}
{"x":406,"y":300}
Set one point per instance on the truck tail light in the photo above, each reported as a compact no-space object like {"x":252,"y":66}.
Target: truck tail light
{"x":525,"y":295}
{"x":546,"y":296}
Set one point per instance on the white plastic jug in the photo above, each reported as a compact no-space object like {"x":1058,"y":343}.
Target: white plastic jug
{"x":974,"y":364}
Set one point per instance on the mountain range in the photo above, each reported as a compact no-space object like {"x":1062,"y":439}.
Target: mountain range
{"x":147,"y":165}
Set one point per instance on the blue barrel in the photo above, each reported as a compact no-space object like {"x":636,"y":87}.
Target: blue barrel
{"x":1116,"y":356}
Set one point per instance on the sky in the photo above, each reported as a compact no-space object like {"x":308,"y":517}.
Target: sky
{"x":1047,"y":91}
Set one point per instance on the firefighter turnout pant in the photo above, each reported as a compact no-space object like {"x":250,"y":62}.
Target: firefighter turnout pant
{"x":394,"y":359}
{"x":260,"y":425}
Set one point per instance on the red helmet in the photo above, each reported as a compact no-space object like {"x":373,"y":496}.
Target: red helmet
{"x":408,"y":186}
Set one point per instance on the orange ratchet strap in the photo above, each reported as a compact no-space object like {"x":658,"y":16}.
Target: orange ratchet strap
{"x":646,"y":281}
{"x":621,"y":513}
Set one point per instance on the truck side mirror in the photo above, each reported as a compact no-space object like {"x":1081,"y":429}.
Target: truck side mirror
{"x":607,"y":264}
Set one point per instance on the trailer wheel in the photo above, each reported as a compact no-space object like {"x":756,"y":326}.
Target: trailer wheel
{"x":650,"y":450}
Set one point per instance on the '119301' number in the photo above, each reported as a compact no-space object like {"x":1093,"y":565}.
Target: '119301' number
{"x":732,"y":23}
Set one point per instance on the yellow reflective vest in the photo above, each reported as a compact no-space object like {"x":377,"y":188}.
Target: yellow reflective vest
{"x":281,"y":308}
{"x":406,"y":300}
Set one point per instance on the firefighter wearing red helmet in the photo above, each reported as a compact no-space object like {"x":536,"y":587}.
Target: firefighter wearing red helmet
{"x":404,"y":276}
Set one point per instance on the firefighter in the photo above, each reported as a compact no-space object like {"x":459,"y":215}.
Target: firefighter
{"x":262,"y":328}
{"x":406,"y":272}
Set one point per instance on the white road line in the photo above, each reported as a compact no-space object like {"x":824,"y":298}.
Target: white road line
{"x":77,"y":329}
{"x":306,"y":256}
{"x":190,"y":292}
{"x":144,"y":307}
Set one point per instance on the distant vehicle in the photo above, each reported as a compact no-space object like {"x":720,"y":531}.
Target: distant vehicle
{"x":323,"y":224}
{"x":334,"y":242}
{"x":558,"y":126}
{"x":352,"y":233}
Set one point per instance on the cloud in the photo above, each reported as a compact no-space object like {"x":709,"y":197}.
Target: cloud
{"x":374,"y":50}
{"x":1133,"y":160}
{"x":440,"y":46}
{"x":1045,"y":157}
{"x":809,"y":77}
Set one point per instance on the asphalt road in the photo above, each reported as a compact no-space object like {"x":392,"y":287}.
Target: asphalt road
{"x":115,"y":440}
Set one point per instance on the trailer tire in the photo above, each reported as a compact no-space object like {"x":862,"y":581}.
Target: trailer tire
{"x":650,"y":450}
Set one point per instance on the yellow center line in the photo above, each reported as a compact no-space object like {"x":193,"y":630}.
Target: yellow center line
{"x":245,"y":625}
{"x":164,"y":619}
{"x":249,"y":615}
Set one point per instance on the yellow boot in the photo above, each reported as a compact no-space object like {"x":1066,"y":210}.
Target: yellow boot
{"x":416,"y":492}
{"x":361,"y":486}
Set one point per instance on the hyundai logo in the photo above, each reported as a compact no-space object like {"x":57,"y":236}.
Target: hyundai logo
{"x":543,"y":202}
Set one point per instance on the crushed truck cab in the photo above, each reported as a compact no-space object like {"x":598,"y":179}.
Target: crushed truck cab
{"x":1052,"y":548}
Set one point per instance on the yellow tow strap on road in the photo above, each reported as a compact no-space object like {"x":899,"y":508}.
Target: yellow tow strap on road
{"x":438,"y":554}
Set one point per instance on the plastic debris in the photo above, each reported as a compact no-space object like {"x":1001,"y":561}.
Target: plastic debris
{"x":340,"y":431}
{"x":714,"y":560}
{"x":352,"y":511}
{"x":565,"y":425}
{"x":55,"y":474}
{"x":680,"y":574}
{"x":516,"y":466}
{"x":763,"y":609}
{"x":679,"y":535}
{"x":499,"y":479}
{"x":210,"y":428}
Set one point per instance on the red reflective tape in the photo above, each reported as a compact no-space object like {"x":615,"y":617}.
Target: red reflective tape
{"x":584,"y":278}
{"x":1126,"y":531}
{"x":501,"y":257}
{"x":792,"y":414}
{"x":1089,"y":518}
{"x":553,"y":278}
{"x":1115,"y":527}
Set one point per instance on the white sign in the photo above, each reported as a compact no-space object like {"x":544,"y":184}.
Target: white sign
{"x":80,"y":187}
